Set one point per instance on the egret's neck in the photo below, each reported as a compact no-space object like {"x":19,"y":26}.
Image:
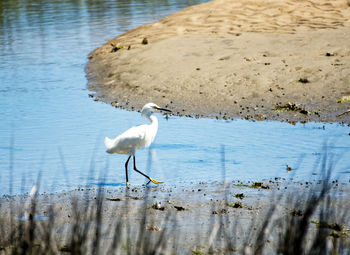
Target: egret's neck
{"x":151,"y":130}
{"x":152,"y":119}
{"x":153,"y":126}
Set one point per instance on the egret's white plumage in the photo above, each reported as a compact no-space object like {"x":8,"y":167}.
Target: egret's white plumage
{"x":133,"y":138}
{"x":136,"y":137}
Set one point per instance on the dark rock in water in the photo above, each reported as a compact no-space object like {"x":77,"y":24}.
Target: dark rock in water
{"x":179,"y":208}
{"x":222,"y":211}
{"x":260,"y":185}
{"x":157,"y":206}
{"x":239,"y":195}
{"x":113,"y":199}
{"x":235,"y":205}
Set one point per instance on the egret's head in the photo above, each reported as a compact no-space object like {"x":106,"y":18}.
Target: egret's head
{"x":150,"y":108}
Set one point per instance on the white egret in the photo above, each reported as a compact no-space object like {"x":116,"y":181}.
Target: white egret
{"x":136,"y":138}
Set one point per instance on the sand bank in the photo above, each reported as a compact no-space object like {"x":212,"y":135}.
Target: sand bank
{"x":282,"y":60}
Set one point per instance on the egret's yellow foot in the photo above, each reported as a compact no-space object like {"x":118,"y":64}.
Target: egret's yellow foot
{"x":127,"y":184}
{"x":154,"y":181}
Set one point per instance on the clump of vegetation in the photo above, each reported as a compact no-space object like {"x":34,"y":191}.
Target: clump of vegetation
{"x":115,"y":48}
{"x":235,"y":205}
{"x":153,"y":228}
{"x":197,"y":252}
{"x":157,"y":206}
{"x":344,"y":99}
{"x":328,"y":54}
{"x":239,"y":195}
{"x":242,"y":185}
{"x":337,"y":230}
{"x":303,"y":80}
{"x":330,"y":225}
{"x":179,"y":208}
{"x":291,"y":107}
{"x":144,"y":41}
{"x":221,"y":211}
{"x":255,"y":185}
{"x":258,"y":185}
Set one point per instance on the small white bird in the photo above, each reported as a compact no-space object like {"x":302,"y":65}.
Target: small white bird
{"x":136,"y":138}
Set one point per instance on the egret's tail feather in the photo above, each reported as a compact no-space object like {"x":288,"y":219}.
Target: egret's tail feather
{"x":108,"y":143}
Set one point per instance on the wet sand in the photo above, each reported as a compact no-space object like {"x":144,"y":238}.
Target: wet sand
{"x":189,"y":215}
{"x":276,"y":60}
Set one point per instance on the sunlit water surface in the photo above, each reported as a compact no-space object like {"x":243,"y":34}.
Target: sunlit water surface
{"x":50,"y":126}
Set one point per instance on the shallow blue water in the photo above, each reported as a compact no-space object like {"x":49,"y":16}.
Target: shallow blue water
{"x":50,"y":125}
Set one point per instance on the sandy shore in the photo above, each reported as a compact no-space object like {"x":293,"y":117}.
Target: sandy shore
{"x":282,"y":60}
{"x":190,"y":216}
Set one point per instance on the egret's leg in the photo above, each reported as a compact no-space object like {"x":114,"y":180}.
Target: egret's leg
{"x":126,"y":172}
{"x":149,"y":178}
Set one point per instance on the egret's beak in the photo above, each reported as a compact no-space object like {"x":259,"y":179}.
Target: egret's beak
{"x":161,"y":109}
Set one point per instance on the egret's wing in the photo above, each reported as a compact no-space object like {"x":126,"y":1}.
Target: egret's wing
{"x":129,"y":141}
{"x":133,"y":137}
